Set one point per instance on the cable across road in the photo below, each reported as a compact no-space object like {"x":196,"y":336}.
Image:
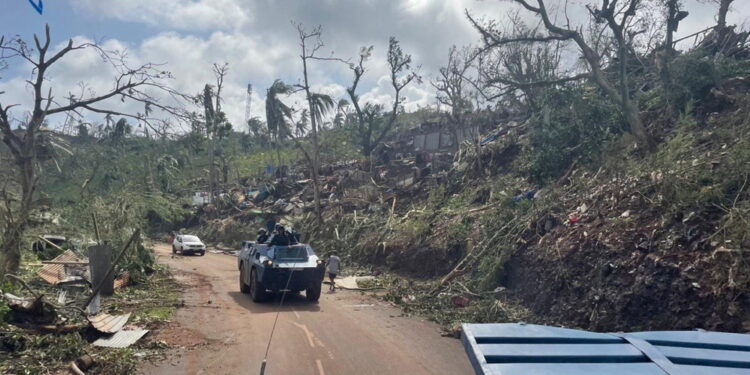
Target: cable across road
{"x":273,"y":328}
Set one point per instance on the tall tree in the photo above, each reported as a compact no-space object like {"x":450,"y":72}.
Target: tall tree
{"x":278,"y":115}
{"x":217,"y":126}
{"x":130,"y":83}
{"x":721,"y":15}
{"x":310,"y":45}
{"x":322,"y":104}
{"x":453,"y":91}
{"x":369,"y":127}
{"x":618,"y":16}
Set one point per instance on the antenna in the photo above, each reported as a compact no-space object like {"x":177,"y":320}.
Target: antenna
{"x":248,"y":102}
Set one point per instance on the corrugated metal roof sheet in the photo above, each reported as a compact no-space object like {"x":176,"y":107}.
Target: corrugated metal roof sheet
{"x":121,"y":339}
{"x":108,"y":323}
{"x":523,"y":349}
{"x":54,"y":273}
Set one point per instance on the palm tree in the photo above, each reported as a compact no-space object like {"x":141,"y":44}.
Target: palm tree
{"x":321,"y":105}
{"x":340,"y":118}
{"x":277,"y":112}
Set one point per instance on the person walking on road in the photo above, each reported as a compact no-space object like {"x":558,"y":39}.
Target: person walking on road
{"x":334,"y":266}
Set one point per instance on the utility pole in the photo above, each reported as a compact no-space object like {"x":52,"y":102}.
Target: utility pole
{"x":247,"y":104}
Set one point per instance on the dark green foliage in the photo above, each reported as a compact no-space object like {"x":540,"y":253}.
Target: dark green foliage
{"x":28,"y":351}
{"x":573,"y":125}
{"x":47,"y":252}
{"x":140,"y":262}
{"x":695,"y":74}
{"x":694,"y":77}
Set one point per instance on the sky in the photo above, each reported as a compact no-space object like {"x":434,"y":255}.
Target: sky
{"x":258,"y":40}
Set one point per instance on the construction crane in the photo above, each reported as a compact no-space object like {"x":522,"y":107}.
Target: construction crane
{"x":248,"y":102}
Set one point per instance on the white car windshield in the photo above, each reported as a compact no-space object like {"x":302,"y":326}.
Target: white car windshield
{"x":190,"y":239}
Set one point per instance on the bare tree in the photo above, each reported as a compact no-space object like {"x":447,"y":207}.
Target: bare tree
{"x":216,"y":122}
{"x":721,"y":15}
{"x":370,"y":127}
{"x":620,"y":19}
{"x":318,"y":104}
{"x":454,"y":91}
{"x":130,"y":83}
{"x":520,"y":70}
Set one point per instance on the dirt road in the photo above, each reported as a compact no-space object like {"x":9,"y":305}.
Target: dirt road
{"x":221,"y":331}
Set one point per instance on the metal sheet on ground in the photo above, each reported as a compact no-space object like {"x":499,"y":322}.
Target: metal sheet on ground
{"x":55,"y":273}
{"x":108,"y":323}
{"x":121,"y":339}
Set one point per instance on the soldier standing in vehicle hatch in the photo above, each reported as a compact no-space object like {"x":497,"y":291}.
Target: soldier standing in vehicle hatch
{"x":334,"y":266}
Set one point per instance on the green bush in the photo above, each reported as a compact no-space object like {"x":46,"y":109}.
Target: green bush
{"x":573,"y":124}
{"x":694,"y":75}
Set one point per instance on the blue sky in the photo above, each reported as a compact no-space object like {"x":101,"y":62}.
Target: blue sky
{"x":258,"y":41}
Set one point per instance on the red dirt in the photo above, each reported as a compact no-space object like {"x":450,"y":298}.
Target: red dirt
{"x":221,"y":331}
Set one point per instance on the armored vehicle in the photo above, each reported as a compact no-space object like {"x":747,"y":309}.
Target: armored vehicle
{"x":265,"y":270}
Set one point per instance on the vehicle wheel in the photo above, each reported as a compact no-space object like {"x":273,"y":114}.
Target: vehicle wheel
{"x":244,"y":289}
{"x":313,"y":294}
{"x":257,"y":290}
{"x":203,"y":253}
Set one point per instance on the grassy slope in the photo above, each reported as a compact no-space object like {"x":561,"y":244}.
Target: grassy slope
{"x":660,"y":242}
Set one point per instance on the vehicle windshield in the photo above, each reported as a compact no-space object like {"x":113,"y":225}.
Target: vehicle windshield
{"x":190,"y":239}
{"x":290,"y":253}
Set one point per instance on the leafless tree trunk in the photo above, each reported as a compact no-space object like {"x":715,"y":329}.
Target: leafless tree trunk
{"x":308,"y":52}
{"x":214,"y":122}
{"x":453,"y":91}
{"x":130,"y":83}
{"x":721,"y":18}
{"x":665,"y":56}
{"x":210,"y":115}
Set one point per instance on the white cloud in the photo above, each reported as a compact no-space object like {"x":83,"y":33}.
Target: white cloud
{"x":188,"y":58}
{"x":260,"y":45}
{"x":180,"y":14}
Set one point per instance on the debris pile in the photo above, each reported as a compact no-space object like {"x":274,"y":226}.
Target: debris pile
{"x":63,"y":298}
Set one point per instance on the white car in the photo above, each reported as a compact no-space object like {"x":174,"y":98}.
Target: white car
{"x":187,"y":244}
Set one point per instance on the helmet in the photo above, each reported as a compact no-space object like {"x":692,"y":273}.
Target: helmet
{"x":261,"y":231}
{"x":279,"y":227}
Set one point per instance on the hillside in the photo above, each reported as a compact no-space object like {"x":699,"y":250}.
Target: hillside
{"x":615,"y":240}
{"x":627,"y":241}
